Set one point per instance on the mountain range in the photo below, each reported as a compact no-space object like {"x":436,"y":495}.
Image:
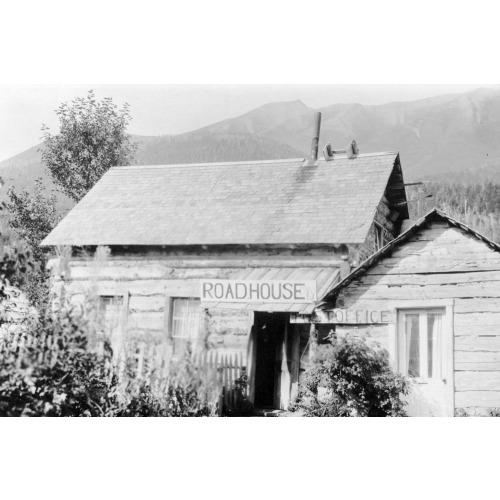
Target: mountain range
{"x":447,"y":137}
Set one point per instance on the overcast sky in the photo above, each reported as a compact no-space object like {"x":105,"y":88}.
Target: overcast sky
{"x":173,"y":109}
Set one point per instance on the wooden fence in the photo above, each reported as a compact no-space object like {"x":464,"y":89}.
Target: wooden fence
{"x":222,"y":373}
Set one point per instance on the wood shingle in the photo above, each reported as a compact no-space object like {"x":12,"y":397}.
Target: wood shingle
{"x":262,"y":202}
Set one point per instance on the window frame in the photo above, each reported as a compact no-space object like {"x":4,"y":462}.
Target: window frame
{"x":123,"y":315}
{"x":447,"y":367}
{"x":169,"y":319}
{"x":402,"y":341}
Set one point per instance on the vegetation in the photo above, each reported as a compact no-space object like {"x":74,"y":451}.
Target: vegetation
{"x":32,"y":216}
{"x":14,"y":264}
{"x":475,"y":204}
{"x":92,"y":139}
{"x":350,"y":378}
{"x":68,"y":376}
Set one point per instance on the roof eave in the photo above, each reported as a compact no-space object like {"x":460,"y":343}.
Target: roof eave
{"x":377,"y":256}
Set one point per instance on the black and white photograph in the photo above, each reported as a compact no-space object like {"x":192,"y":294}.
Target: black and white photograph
{"x":215,"y":214}
{"x":334,"y":261}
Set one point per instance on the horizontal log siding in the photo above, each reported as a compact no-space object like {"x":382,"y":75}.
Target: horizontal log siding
{"x":442,"y":263}
{"x":149,"y":280}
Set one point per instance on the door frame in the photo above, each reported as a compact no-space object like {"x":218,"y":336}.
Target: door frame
{"x":286,"y":370}
{"x":448,"y":370}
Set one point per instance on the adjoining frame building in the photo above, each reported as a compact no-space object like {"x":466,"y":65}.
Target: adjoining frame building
{"x":431,"y":297}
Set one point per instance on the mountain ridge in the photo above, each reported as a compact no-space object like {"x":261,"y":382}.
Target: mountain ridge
{"x":437,"y":136}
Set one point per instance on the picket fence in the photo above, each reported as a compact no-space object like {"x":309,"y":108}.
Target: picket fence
{"x":223,"y":373}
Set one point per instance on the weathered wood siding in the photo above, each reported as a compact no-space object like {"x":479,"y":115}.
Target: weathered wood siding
{"x":391,"y":231}
{"x":150,"y":280}
{"x":442,"y":262}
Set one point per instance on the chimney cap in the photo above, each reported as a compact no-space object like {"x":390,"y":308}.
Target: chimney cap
{"x":350,"y":151}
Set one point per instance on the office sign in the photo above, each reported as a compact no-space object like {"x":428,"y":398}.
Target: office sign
{"x":258,"y":291}
{"x":353,"y":316}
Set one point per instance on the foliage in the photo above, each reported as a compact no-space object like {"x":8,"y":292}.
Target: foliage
{"x":475,"y":204}
{"x":242,"y":406}
{"x":72,"y":378}
{"x":68,"y":380}
{"x":185,"y":394}
{"x":350,"y":378}
{"x":32,"y":216}
{"x":92,"y":139}
{"x":14,"y":264}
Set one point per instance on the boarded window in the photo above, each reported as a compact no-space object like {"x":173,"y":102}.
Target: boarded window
{"x":110,"y":313}
{"x":185,"y":320}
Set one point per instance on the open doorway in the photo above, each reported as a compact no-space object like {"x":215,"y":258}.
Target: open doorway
{"x":269,"y":330}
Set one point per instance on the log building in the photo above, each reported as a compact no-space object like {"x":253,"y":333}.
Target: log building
{"x":222,"y":254}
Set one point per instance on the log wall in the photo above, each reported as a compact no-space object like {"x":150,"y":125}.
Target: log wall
{"x":443,"y":262}
{"x":149,"y":280}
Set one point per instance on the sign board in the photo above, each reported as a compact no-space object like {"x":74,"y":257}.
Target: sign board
{"x":272,"y":291}
{"x":353,"y":316}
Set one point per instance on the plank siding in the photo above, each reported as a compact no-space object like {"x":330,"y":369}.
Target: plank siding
{"x":443,"y":262}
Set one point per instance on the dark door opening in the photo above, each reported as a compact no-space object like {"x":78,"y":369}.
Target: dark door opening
{"x":269,"y":333}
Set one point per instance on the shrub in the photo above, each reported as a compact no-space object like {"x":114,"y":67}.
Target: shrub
{"x":72,"y":378}
{"x":183,"y":393}
{"x":349,"y":378}
{"x":68,"y":379}
{"x":242,"y":407}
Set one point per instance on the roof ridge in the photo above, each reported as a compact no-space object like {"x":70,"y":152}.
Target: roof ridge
{"x":247,"y":162}
{"x":250,"y":162}
{"x":364,"y":155}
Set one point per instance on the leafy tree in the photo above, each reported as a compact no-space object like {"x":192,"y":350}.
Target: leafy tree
{"x":92,"y":139}
{"x":350,"y":378}
{"x":33,"y":216}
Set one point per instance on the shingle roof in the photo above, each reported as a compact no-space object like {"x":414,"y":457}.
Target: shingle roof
{"x":434,"y":214}
{"x":264,"y":202}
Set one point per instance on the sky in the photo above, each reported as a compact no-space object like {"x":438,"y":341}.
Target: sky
{"x":174,"y":109}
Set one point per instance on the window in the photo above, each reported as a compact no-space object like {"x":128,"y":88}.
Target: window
{"x":420,"y":343}
{"x":185,"y":320}
{"x":110,"y":310}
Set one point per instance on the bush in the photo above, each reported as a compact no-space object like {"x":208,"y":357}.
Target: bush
{"x":67,"y":379}
{"x":72,"y":378}
{"x":184,"y":393}
{"x":349,"y":378}
{"x":242,"y":406}
{"x":60,"y":373}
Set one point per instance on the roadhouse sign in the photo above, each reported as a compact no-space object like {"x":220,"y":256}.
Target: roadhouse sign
{"x":258,"y":291}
